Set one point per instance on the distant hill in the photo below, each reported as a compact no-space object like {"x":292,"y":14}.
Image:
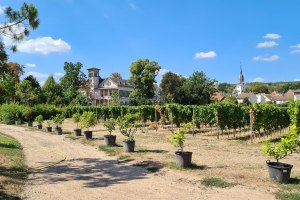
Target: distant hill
{"x":256,"y":87}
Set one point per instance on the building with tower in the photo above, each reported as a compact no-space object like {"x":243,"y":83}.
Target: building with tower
{"x":240,"y":86}
{"x":99,"y":91}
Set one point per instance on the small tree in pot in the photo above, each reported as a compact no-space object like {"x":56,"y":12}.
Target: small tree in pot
{"x":87,"y":120}
{"x":76,"y":119}
{"x":58,"y":120}
{"x":183,"y":158}
{"x":290,"y":143}
{"x":128,"y":128}
{"x":27,"y":114}
{"x":49,"y":125}
{"x":39,"y":119}
{"x":110,"y":139}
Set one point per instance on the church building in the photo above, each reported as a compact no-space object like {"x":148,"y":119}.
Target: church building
{"x":240,"y":87}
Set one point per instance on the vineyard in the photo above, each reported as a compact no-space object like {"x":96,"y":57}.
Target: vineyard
{"x":222,"y":118}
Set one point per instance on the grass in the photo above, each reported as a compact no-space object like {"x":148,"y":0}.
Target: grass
{"x":290,"y":191}
{"x":216,"y":182}
{"x":110,"y":150}
{"x":13,"y":170}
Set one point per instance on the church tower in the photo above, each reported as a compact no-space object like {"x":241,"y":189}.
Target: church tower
{"x":94,"y":77}
{"x":240,"y":87}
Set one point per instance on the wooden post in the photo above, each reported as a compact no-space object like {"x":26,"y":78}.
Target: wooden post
{"x":193,"y":123}
{"x":155,"y":114}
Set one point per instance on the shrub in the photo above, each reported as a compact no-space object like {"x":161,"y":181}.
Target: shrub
{"x":128,"y":126}
{"x":58,"y":119}
{"x":109,"y":124}
{"x":39,"y":119}
{"x":9,"y":113}
{"x":76,"y":118}
{"x":87,"y":120}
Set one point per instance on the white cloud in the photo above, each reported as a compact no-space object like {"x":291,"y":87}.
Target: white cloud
{"x":203,"y":55}
{"x":267,"y":44}
{"x":38,"y":74}
{"x":44,"y":45}
{"x":162,"y":72}
{"x":132,"y":5}
{"x":272,"y":36}
{"x":258,"y":79}
{"x":2,"y":9}
{"x":30,"y":65}
{"x":266,"y":58}
{"x":296,"y":49}
{"x":58,"y":74}
{"x":297,"y":79}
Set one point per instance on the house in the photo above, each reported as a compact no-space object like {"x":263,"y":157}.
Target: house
{"x":250,"y":96}
{"x":292,"y":95}
{"x":217,"y":96}
{"x":99,"y":90}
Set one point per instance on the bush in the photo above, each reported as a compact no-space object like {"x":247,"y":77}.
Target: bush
{"x":9,"y":113}
{"x":109,"y":124}
{"x":87,"y":120}
{"x":39,"y":119}
{"x":76,"y":118}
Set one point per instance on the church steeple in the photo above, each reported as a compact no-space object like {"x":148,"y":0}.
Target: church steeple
{"x":241,"y":76}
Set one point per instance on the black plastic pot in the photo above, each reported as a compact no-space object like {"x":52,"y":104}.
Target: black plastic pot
{"x":29,"y":123}
{"x":128,"y":146}
{"x":183,"y":158}
{"x":110,"y":140}
{"x":49,"y":129}
{"x":279,"y":172}
{"x":88,"y":134}
{"x":39,"y":126}
{"x":58,"y":130}
{"x":77,"y":132}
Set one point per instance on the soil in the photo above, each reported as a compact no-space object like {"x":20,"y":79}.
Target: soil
{"x":65,"y":167}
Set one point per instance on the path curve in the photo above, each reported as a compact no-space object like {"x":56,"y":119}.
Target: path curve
{"x":88,"y":173}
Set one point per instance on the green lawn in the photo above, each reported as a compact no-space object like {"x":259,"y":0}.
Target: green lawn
{"x":13,"y":171}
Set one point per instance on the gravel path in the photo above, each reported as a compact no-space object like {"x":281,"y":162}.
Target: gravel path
{"x":87,"y":173}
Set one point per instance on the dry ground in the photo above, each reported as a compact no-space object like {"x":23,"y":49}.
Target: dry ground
{"x":88,"y":173}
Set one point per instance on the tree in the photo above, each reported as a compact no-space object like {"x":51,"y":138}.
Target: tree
{"x":143,"y":73}
{"x":170,"y":83}
{"x":116,"y":75}
{"x":259,"y":88}
{"x":8,"y":89}
{"x":225,"y":88}
{"x":19,"y":23}
{"x":52,"y":91}
{"x":115,"y":99}
{"x":27,"y":94}
{"x":197,"y":89}
{"x":34,"y":83}
{"x":72,"y":80}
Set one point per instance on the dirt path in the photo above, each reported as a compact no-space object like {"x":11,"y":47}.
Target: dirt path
{"x":88,"y":173}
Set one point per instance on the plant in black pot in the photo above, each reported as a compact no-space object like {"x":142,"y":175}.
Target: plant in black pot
{"x":110,"y":139}
{"x":290,"y":143}
{"x":87,"y":120}
{"x":183,"y":158}
{"x":76,"y":119}
{"x":49,"y":125}
{"x":27,"y":114}
{"x":58,"y":120}
{"x":128,"y":128}
{"x":39,"y":119}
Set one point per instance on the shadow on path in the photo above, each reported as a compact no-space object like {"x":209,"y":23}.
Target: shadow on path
{"x":93,"y":172}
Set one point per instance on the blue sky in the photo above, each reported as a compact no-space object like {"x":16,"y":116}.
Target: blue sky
{"x":213,"y":36}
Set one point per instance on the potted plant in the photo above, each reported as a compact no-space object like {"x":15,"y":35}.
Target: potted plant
{"x":27,"y":114}
{"x":49,"y":125}
{"x":128,"y":128}
{"x":110,"y":139}
{"x":39,"y":119}
{"x":76,"y":119}
{"x":58,"y":120}
{"x":87,"y":120}
{"x":183,"y":158}
{"x":290,"y":143}
{"x":18,"y":120}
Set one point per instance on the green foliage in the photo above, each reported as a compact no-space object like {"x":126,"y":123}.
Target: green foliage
{"x":26,"y":17}
{"x":287,"y":195}
{"x":49,"y":122}
{"x":225,"y":88}
{"x":26,"y":93}
{"x":115,"y":99}
{"x":27,"y":112}
{"x":294,"y":111}
{"x":177,"y":139}
{"x":52,"y":91}
{"x":116,"y":75}
{"x":58,"y":119}
{"x":39,"y":119}
{"x":109,"y":124}
{"x":127,"y":125}
{"x":143,"y":73}
{"x":9,"y":113}
{"x":290,"y":143}
{"x":170,"y":83}
{"x":87,"y":120}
